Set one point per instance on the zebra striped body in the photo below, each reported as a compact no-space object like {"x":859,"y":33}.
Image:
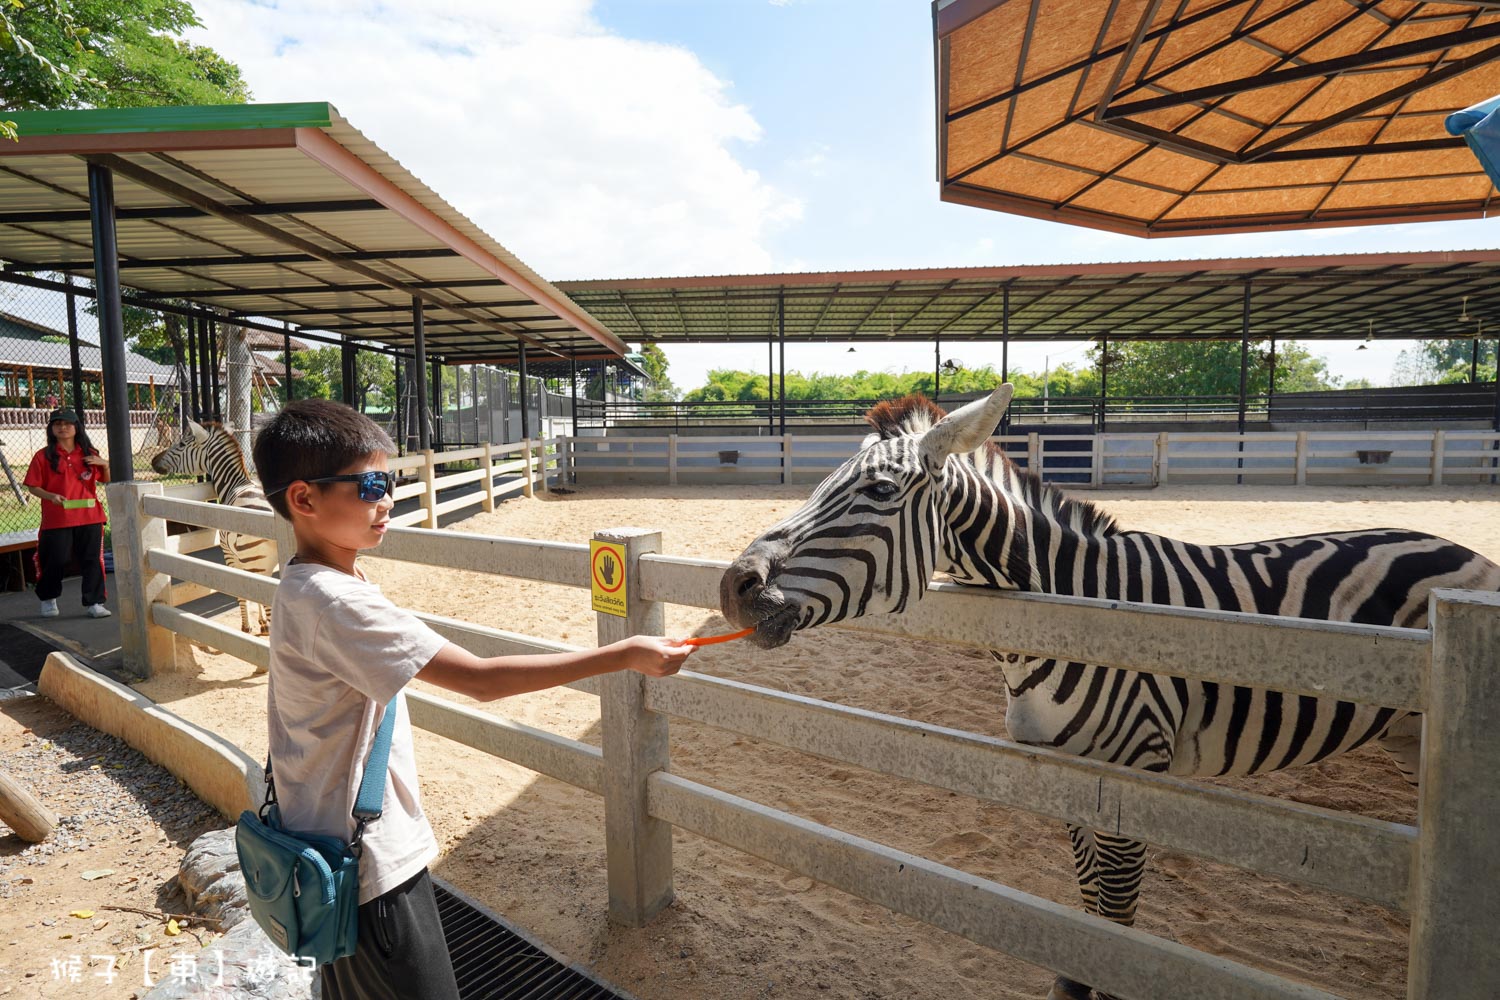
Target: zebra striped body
{"x":925,"y":496}
{"x":213,"y":452}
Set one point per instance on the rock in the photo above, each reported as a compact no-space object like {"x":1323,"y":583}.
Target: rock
{"x":250,"y":965}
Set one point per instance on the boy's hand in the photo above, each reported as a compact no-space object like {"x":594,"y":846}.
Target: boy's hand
{"x":652,"y":655}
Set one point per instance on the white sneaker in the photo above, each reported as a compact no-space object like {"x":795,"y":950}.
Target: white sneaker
{"x":98,"y":611}
{"x":49,"y":609}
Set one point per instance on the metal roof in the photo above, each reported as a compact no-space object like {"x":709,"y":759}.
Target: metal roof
{"x":16,"y":352}
{"x":282,"y":211}
{"x":1335,"y":297}
{"x":1157,"y":119}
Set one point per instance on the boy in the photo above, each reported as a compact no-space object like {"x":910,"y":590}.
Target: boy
{"x":339,"y":652}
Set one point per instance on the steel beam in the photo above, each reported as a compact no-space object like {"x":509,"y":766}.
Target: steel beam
{"x":525,"y":391}
{"x":111,"y":325}
{"x":419,"y":336}
{"x":79,"y":402}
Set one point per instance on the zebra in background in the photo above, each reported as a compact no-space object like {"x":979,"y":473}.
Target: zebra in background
{"x":212,"y":451}
{"x":929,"y":493}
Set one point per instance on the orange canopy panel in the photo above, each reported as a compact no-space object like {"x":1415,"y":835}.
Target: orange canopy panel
{"x":1213,"y":116}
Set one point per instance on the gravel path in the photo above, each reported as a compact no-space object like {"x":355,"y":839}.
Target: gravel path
{"x":118,"y":814}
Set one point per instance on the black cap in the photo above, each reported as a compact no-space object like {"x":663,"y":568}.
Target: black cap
{"x":63,"y":414}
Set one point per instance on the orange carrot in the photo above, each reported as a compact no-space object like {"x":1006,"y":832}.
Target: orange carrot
{"x":709,"y":640}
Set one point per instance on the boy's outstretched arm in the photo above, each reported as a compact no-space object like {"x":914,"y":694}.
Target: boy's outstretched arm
{"x":489,"y":678}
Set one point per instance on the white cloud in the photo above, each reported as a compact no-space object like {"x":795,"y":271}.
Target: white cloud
{"x":586,"y":153}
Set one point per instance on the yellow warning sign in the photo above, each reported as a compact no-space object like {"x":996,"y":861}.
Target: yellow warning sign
{"x":607,"y":577}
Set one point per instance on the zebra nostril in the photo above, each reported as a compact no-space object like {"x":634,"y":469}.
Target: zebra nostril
{"x":749,"y":584}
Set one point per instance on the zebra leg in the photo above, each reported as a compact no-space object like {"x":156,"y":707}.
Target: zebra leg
{"x":1109,"y":870}
{"x":1402,"y":739}
{"x":244,"y":617}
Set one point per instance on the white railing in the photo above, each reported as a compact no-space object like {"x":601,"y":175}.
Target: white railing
{"x":1443,"y":871}
{"x":1098,"y":460}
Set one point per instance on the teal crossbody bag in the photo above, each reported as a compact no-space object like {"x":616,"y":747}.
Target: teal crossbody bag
{"x":303,"y":888}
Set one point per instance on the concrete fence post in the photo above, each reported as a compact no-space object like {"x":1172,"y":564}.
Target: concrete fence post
{"x":1455,"y":912}
{"x":671,"y":459}
{"x":541,"y":463}
{"x":488,"y":482}
{"x":1096,"y":462}
{"x":1302,"y":458}
{"x":146,"y":648}
{"x":1034,"y":454}
{"x":528,"y":487}
{"x":429,"y":488}
{"x":1439,"y":450}
{"x":786,"y":459}
{"x":1163,"y":455}
{"x":638,"y":848}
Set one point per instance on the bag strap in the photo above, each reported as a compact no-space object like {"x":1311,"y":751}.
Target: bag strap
{"x":369,"y":801}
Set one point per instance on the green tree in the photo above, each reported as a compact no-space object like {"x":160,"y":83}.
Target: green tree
{"x":659,"y":388}
{"x":107,"y":53}
{"x":1208,"y":368}
{"x":1442,"y":362}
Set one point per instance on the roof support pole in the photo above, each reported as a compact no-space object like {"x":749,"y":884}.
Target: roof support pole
{"x":419,"y":337}
{"x":216,"y":408}
{"x":474,"y":401}
{"x":1474,"y":361}
{"x":937,"y":366}
{"x":1244,"y":354}
{"x":1103,"y":383}
{"x":781,"y":335}
{"x":192,"y":367}
{"x":286,"y":360}
{"x":1495,"y":421}
{"x":770,"y":386}
{"x":111,"y":325}
{"x":1271,"y":375}
{"x":489,"y":401}
{"x":346,"y":377}
{"x":438,"y":408}
{"x":573,"y":380}
{"x":398,"y":410}
{"x":525,"y":416}
{"x":1005,"y":349}
{"x":206,"y":410}
{"x":77,"y":373}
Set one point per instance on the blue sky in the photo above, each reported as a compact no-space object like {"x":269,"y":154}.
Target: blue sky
{"x":659,"y":137}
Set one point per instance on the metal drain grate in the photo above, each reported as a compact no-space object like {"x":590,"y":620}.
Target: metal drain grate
{"x":495,"y":961}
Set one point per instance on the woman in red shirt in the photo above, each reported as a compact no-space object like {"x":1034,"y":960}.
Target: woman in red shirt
{"x":65,"y":476}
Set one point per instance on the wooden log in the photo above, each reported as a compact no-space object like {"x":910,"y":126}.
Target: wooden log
{"x":23,"y":812}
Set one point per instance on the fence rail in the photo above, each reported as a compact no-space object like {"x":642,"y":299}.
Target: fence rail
{"x":1082,"y":460}
{"x":1439,"y":870}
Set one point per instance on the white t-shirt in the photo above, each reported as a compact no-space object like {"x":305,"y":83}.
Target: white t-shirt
{"x":340,"y":651}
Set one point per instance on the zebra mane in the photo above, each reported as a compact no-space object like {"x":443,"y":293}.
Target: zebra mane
{"x":218,"y":429}
{"x":913,"y":415}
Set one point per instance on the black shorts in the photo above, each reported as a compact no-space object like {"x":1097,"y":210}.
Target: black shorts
{"x":401,"y":954}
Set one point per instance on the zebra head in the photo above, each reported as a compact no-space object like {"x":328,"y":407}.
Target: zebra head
{"x":185,"y":456}
{"x":865,"y":541}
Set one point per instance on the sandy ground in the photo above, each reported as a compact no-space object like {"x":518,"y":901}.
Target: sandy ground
{"x":741,"y":929}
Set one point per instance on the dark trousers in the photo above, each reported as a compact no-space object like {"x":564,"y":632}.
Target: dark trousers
{"x":54,"y":545}
{"x":401,"y":953}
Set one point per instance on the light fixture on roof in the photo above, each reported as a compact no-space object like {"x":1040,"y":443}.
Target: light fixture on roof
{"x":849,"y":351}
{"x":1369,"y":337}
{"x":1463,"y":317}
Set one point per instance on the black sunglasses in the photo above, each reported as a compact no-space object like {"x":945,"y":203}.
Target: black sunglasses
{"x":373,"y":486}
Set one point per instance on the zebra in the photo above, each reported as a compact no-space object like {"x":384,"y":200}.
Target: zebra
{"x":213,"y":452}
{"x":929,"y":492}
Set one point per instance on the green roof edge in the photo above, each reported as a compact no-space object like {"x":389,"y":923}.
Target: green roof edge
{"x":180,"y":118}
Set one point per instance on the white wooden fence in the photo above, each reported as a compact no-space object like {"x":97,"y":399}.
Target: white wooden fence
{"x":1141,"y":459}
{"x":1444,"y":871}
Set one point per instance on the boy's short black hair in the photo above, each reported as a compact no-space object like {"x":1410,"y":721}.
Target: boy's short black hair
{"x":310,"y":438}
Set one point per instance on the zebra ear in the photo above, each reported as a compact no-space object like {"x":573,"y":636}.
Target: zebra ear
{"x":965,"y":429}
{"x":870,"y":439}
{"x":199,"y":432}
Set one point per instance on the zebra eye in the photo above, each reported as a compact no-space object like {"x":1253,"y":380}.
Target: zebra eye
{"x":881,"y":489}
